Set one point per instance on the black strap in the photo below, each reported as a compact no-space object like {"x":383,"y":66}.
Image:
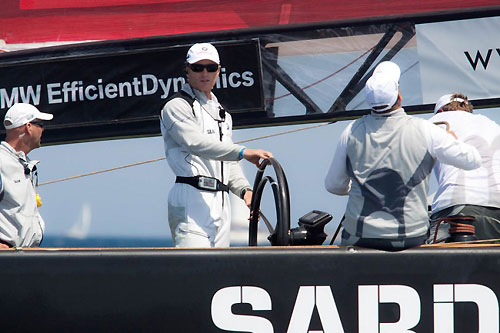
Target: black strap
{"x":185,"y":96}
{"x":190,"y":99}
{"x":195,"y":182}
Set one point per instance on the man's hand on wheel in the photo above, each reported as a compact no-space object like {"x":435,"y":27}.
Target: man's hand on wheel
{"x":255,"y":155}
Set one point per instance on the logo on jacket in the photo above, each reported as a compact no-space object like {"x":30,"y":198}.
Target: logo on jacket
{"x":210,"y":131}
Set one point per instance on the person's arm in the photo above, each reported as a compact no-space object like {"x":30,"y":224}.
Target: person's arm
{"x":237,"y":181}
{"x":247,"y":197}
{"x":181,"y":125}
{"x":443,"y":146}
{"x":337,"y":181}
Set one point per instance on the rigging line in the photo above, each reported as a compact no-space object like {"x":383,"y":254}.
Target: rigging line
{"x":326,"y":77}
{"x":493,"y":241}
{"x":286,"y":132}
{"x":101,"y":171}
{"x":162,"y":158}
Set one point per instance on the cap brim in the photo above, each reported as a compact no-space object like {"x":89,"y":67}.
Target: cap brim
{"x":44,"y":116}
{"x":442,"y":101}
{"x":200,"y":58}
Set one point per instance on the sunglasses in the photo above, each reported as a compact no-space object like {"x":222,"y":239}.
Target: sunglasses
{"x":38,"y":123}
{"x":198,"y":68}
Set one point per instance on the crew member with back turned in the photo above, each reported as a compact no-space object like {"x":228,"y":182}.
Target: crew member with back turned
{"x":383,"y":161}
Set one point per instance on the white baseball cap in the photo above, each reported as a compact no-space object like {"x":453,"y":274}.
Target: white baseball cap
{"x":382,"y":88}
{"x":202,"y":51}
{"x":22,"y":113}
{"x":446,"y":99}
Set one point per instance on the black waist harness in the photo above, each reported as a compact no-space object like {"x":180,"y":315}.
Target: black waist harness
{"x":203,"y":183}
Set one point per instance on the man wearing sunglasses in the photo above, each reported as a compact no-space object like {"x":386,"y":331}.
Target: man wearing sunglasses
{"x":197,"y":133}
{"x":20,"y":222}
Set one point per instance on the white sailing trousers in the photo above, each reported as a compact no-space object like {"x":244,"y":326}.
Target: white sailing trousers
{"x":199,"y":218}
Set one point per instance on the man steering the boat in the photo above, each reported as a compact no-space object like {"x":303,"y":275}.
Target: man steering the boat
{"x":20,"y":222}
{"x":383,"y":161}
{"x":474,"y":193}
{"x":197,"y":134}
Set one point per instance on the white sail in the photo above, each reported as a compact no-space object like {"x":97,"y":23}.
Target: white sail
{"x":81,"y":228}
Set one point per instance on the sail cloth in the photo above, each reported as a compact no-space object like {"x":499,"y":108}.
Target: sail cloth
{"x":48,"y":21}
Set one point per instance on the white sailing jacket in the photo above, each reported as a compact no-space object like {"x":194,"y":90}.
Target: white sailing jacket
{"x":20,"y":222}
{"x":193,"y":144}
{"x":198,"y":141}
{"x":480,"y":186}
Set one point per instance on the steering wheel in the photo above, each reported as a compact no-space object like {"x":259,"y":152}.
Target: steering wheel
{"x":280,"y":236}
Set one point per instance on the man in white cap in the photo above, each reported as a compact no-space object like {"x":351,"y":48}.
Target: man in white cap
{"x":197,"y":134}
{"x":20,"y":222}
{"x":383,"y":161}
{"x":476,"y":192}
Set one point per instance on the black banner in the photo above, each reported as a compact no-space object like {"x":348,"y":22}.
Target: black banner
{"x":261,"y":290}
{"x":121,"y":92}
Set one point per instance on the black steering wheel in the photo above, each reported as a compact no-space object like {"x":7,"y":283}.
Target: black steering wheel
{"x":280,"y":236}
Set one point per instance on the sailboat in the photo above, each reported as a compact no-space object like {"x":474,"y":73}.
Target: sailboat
{"x":106,"y":58}
{"x":81,"y":228}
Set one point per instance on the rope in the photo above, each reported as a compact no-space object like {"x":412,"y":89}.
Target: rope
{"x":456,"y":227}
{"x":162,"y":158}
{"x":481,"y":242}
{"x":447,"y":124}
{"x":101,"y":171}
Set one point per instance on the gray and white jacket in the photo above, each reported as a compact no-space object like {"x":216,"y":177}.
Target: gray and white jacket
{"x":383,"y":162}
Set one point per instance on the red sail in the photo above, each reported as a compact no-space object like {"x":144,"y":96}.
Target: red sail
{"x":39,"y":21}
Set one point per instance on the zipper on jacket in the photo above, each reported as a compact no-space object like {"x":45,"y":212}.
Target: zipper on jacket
{"x":222,"y":114}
